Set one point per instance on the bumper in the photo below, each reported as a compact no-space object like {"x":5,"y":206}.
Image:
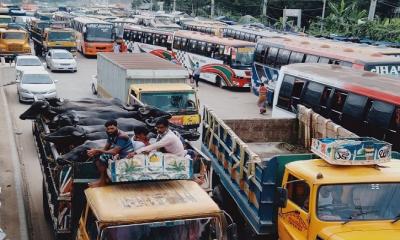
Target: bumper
{"x":64,"y":68}
{"x":30,"y":97}
{"x":94,"y":51}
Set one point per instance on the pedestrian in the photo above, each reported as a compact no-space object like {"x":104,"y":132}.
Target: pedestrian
{"x":116,"y":47}
{"x":196,"y":73}
{"x":262,"y":98}
{"x":140,"y":139}
{"x":118,"y":144}
{"x":166,"y":142}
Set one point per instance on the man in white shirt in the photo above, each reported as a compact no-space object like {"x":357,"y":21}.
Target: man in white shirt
{"x":167,"y":141}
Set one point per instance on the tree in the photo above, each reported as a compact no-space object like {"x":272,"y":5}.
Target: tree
{"x":136,"y":3}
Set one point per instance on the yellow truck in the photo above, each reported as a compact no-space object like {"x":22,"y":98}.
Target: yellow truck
{"x":274,"y":189}
{"x":13,"y":42}
{"x":178,"y":209}
{"x":142,"y":78}
{"x":48,"y":35}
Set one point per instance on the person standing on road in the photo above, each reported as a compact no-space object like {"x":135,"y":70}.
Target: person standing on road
{"x":116,"y":47}
{"x":196,"y":73}
{"x":262,"y":98}
{"x":118,"y":144}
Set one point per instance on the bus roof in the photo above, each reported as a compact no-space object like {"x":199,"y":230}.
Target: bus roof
{"x":85,"y":20}
{"x":150,"y":202}
{"x":205,"y":23}
{"x":364,"y":83}
{"x":255,"y":30}
{"x":333,"y":174}
{"x":325,"y":48}
{"x":213,"y":39}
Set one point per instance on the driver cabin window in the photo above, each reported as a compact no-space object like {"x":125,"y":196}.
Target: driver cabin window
{"x":298,"y":192}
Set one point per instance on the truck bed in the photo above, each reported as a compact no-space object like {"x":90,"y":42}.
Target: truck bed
{"x":266,"y":150}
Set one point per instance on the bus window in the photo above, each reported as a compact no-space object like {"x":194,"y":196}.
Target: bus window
{"x":270,"y":58}
{"x":201,"y":48}
{"x":260,"y":52}
{"x":311,"y":59}
{"x":285,"y":92}
{"x":283,"y":58}
{"x":323,"y":60}
{"x":395,"y":123}
{"x":312,"y":95}
{"x":184,"y":43}
{"x":337,"y":104}
{"x":192,"y":46}
{"x":177,"y":43}
{"x":378,"y":118}
{"x":345,"y":64}
{"x":209,"y":49}
{"x":324,"y":101}
{"x":334,"y":61}
{"x":393,"y":135}
{"x":297,"y":90}
{"x":296,"y":57}
{"x":353,"y":113}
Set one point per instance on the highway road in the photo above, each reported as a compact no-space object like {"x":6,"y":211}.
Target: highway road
{"x":227,"y":104}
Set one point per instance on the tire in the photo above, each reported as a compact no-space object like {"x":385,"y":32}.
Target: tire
{"x":94,"y":90}
{"x":218,"y":81}
{"x":46,"y":208}
{"x":19,"y":99}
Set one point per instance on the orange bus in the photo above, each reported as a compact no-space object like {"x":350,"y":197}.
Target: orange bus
{"x":93,"y":35}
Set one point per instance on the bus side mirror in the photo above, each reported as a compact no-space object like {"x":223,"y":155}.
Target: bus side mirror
{"x":232,"y":232}
{"x":282,"y":197}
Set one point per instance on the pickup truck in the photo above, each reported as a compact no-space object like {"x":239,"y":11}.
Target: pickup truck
{"x":267,"y":179}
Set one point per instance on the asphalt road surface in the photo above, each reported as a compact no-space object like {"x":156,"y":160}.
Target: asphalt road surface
{"x":227,"y":104}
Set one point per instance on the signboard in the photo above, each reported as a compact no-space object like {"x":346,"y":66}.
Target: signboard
{"x":384,"y":69}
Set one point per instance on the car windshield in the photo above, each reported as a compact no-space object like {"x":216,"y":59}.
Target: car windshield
{"x":353,"y":202}
{"x":172,"y":102}
{"x":62,"y":55}
{"x":5,"y":20}
{"x":194,"y":229}
{"x":13,"y":35}
{"x":61,"y":36}
{"x":97,"y":32}
{"x":29,"y":62}
{"x":36,"y":79}
{"x":243,"y":58}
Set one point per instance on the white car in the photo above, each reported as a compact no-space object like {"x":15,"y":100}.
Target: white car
{"x":61,"y":60}
{"x":27,"y":62}
{"x":35,"y":83}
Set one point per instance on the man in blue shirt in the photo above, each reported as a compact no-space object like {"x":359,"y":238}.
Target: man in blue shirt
{"x":118,"y":143}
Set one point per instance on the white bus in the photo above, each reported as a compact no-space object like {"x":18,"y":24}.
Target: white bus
{"x":363,"y":102}
{"x":224,"y":62}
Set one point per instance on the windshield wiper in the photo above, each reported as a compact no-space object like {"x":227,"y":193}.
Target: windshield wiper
{"x":351,"y":217}
{"x":396,"y":219}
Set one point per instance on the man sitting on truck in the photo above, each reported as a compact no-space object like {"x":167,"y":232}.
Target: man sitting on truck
{"x":166,"y":142}
{"x":118,"y":143}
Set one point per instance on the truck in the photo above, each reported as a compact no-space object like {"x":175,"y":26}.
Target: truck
{"x":48,"y":35}
{"x":274,"y":187}
{"x":13,"y":42}
{"x":66,"y":176}
{"x":177,"y":209}
{"x":142,"y":78}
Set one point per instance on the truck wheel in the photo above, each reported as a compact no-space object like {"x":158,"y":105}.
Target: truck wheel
{"x":46,"y":208}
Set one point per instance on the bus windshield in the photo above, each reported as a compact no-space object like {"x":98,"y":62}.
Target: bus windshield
{"x":196,"y":229}
{"x":98,"y":32}
{"x":354,"y":202}
{"x":61,"y":36}
{"x":172,"y":102}
{"x":243,"y":58}
{"x":385,"y":69}
{"x":13,"y":35}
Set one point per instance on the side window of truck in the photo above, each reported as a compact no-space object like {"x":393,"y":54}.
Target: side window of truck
{"x":298,"y":192}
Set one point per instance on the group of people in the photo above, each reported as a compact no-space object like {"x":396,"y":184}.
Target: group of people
{"x":119,"y":145}
{"x":119,"y":46}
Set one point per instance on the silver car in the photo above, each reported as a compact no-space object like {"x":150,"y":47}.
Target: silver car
{"x":35,"y":83}
{"x":27,"y":62}
{"x":60,"y":60}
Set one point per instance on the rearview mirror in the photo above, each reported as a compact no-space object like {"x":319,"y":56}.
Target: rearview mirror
{"x":17,"y":81}
{"x":282,"y":197}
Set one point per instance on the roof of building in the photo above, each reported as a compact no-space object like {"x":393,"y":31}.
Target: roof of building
{"x":331,"y":174}
{"x":140,"y":61}
{"x":385,"y":88}
{"x":150,"y":202}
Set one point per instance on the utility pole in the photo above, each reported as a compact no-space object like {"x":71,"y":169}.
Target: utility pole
{"x":372,"y":8}
{"x":212,"y":8}
{"x":174,"y":6}
{"x":264,"y":8}
{"x":323,"y":15}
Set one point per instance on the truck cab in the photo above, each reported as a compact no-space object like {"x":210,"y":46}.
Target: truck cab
{"x":328,"y":202}
{"x":178,"y":209}
{"x":59,"y":38}
{"x":5,"y":20}
{"x":13,"y":42}
{"x":179,"y":99}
